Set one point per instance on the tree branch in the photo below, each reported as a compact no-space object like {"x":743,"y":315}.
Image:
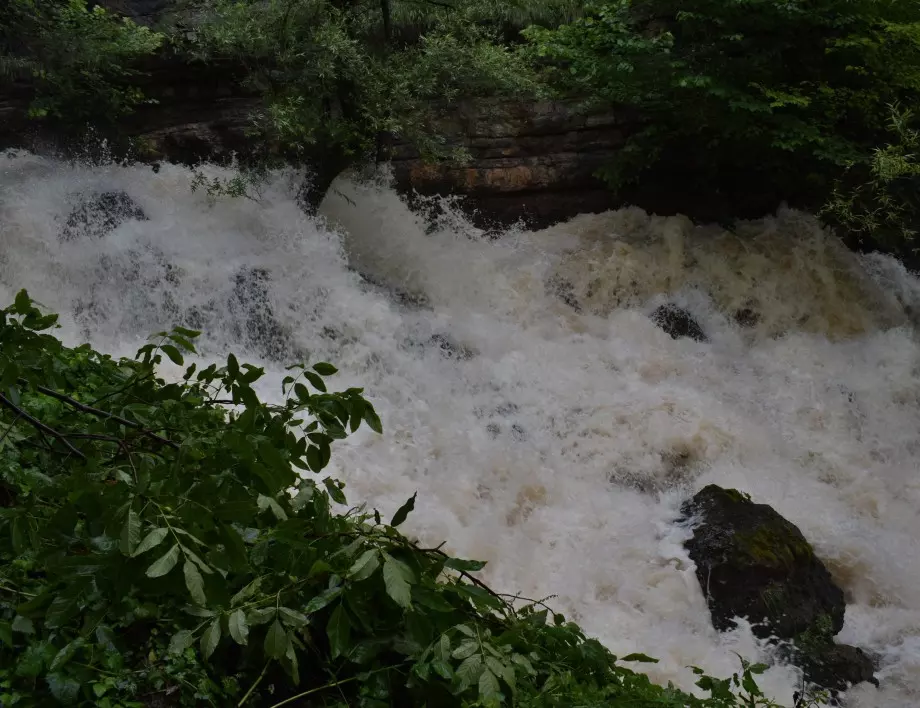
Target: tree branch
{"x":41,"y":427}
{"x":73,"y":403}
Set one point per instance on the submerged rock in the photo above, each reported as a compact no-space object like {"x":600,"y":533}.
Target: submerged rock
{"x":256,"y":321}
{"x":753,"y":563}
{"x":747,"y":317}
{"x":450,"y":348}
{"x":678,"y":323}
{"x":97,"y":215}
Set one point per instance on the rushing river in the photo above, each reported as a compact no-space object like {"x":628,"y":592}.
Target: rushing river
{"x":556,"y":443}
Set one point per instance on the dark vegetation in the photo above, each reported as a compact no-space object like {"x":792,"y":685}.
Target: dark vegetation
{"x":751,"y":103}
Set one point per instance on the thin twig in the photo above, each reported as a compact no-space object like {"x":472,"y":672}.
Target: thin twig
{"x":104,"y":414}
{"x":466,"y":575}
{"x":254,"y":685}
{"x":41,"y":427}
{"x":10,"y":428}
{"x":327,"y":686}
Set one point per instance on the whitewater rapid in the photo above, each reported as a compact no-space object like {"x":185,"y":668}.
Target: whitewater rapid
{"x":555,"y":442}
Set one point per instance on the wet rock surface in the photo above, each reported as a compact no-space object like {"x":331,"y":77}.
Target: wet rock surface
{"x":753,"y":563}
{"x":254,"y":314}
{"x":98,"y":214}
{"x":678,"y":323}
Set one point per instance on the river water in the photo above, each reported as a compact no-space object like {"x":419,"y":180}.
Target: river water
{"x":555,"y":443}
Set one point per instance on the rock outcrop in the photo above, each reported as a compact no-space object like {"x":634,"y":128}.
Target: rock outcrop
{"x":753,"y":563}
{"x":532,"y":161}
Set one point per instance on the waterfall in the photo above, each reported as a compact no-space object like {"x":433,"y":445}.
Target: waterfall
{"x":548,"y":425}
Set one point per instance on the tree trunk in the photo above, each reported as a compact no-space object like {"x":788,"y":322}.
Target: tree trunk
{"x":316,"y":184}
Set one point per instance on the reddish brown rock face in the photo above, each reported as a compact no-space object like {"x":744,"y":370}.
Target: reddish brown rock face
{"x":533,"y":160}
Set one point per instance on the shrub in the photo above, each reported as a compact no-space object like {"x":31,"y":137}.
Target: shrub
{"x":340,"y":79}
{"x":80,"y":59}
{"x":775,"y":96}
{"x":880,"y":207}
{"x":160,"y":548}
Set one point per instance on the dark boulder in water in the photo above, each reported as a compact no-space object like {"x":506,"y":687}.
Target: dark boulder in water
{"x":747,"y":317}
{"x":753,"y":563}
{"x":255,"y":318}
{"x":564,"y":290}
{"x":678,"y":323}
{"x":97,"y":215}
{"x":450,"y":348}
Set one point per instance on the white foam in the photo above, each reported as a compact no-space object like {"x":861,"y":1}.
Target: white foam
{"x":562,"y":449}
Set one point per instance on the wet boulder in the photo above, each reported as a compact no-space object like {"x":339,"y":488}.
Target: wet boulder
{"x":254,"y":316}
{"x":753,"y":563}
{"x":678,"y":323}
{"x":98,"y":214}
{"x":747,"y":317}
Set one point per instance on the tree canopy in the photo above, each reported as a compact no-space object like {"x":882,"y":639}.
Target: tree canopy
{"x":786,"y":97}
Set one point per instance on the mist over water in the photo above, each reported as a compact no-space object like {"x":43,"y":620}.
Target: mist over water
{"x":548,"y":425}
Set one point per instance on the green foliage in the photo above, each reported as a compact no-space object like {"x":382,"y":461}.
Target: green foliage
{"x":774,"y":95}
{"x":177,"y":543}
{"x":340,"y":77}
{"x":80,"y":58}
{"x":883,"y":205}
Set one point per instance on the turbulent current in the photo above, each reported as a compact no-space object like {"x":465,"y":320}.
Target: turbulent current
{"x":548,"y":425}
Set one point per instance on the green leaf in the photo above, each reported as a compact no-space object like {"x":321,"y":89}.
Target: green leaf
{"x":202,"y":566}
{"x":248,"y":591}
{"x":60,"y":611}
{"x":315,"y":381}
{"x":466,"y":649}
{"x":371,"y":418}
{"x":431,"y":599}
{"x":467,"y":566}
{"x":190,"y":333}
{"x":174,"y":355}
{"x":469,"y":671}
{"x":642,"y":658}
{"x":365,"y":566}
{"x":292,"y":618}
{"x":6,"y":633}
{"x":334,"y":490}
{"x":194,"y":581}
{"x":302,"y":392}
{"x":23,"y":625}
{"x":22,"y":303}
{"x":403,"y":512}
{"x":151,"y":540}
{"x":314,"y":459}
{"x":398,"y":578}
{"x":339,"y":631}
{"x":210,"y":639}
{"x":322,"y":600}
{"x":261,"y":615}
{"x":265,"y":502}
{"x":488,"y":688}
{"x":239,"y":628}
{"x":64,"y":689}
{"x":180,"y":641}
{"x":463,"y":629}
{"x":165,"y":563}
{"x":324,"y":369}
{"x":130,"y":533}
{"x":276,"y":641}
{"x":66,"y":654}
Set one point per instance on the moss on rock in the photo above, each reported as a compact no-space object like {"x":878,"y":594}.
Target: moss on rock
{"x":753,"y":563}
